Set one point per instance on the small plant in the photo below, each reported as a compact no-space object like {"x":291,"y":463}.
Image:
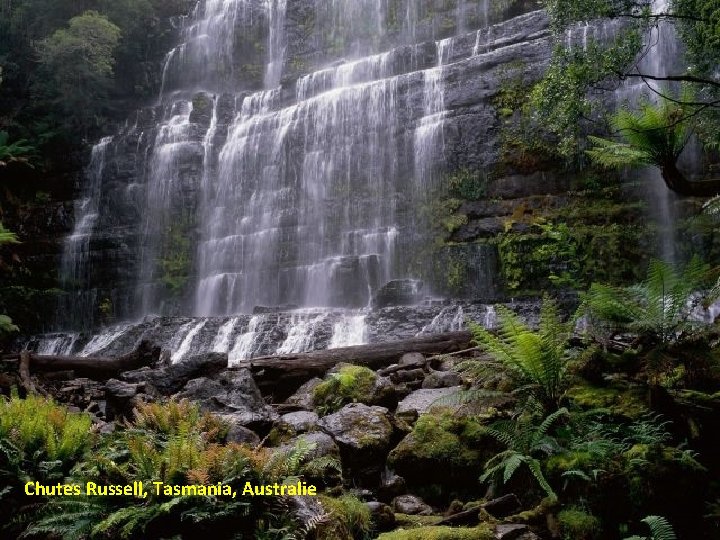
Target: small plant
{"x":524,"y":441}
{"x":577,"y":524}
{"x":347,"y":385}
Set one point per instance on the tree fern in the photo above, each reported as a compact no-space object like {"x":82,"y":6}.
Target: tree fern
{"x":656,"y":134}
{"x":536,"y":360}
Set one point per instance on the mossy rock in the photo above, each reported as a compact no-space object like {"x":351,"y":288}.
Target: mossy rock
{"x":578,"y":525}
{"x":482,"y":532}
{"x":567,"y":461}
{"x":349,"y":518}
{"x":348,"y":384}
{"x":620,"y":402}
{"x":443,"y":449}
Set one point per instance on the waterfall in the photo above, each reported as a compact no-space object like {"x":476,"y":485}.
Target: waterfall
{"x":661,"y":59}
{"x":283,"y":164}
{"x":75,"y":264}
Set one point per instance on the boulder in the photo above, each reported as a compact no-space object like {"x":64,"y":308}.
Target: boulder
{"x":411,"y":505}
{"x":170,"y":379}
{"x":442,"y":379}
{"x":237,"y":432}
{"x":300,"y":422}
{"x":382,"y":516}
{"x":364,"y":435}
{"x":443,"y":449}
{"x":421,"y":401}
{"x":303,"y":397}
{"x":511,"y":531}
{"x":233,"y":393}
{"x":392,"y":486}
{"x":399,"y":292}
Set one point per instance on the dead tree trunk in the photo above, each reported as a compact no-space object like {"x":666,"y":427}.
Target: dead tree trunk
{"x":146,"y":354}
{"x":292,"y":370}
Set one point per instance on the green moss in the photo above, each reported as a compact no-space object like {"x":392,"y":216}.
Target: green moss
{"x":567,"y":461}
{"x":578,"y":525}
{"x":442,"y":437}
{"x":348,"y":518}
{"x":623,"y":402}
{"x":348,"y":385}
{"x":406,"y":521}
{"x":483,"y":532}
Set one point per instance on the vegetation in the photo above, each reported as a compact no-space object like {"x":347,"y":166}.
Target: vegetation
{"x":654,"y":134}
{"x":172,"y":443}
{"x":348,"y":384}
{"x":660,"y":309}
{"x":537,"y":361}
{"x":524,"y":441}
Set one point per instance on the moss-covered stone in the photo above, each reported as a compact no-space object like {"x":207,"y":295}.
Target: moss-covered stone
{"x":482,"y":532}
{"x":349,"y":384}
{"x":621,"y":402}
{"x":348,"y":518}
{"x":443,"y":449}
{"x":578,"y":525}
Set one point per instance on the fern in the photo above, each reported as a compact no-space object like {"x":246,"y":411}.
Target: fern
{"x":536,"y":360}
{"x":660,"y":529}
{"x":656,"y":134}
{"x":523,"y":440}
{"x":67,"y":519}
{"x":660,"y":308}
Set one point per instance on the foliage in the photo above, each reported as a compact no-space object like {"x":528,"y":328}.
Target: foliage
{"x":467,"y":185}
{"x":18,"y":151}
{"x":563,"y":97}
{"x":524,"y":441}
{"x":348,"y":384}
{"x":42,"y":431}
{"x":7,"y":326}
{"x":561,"y":101}
{"x":660,"y":529}
{"x":348,"y":518}
{"x":656,"y":135}
{"x":660,"y":308}
{"x":172,"y":443}
{"x":176,"y":257}
{"x":7,"y":237}
{"x":577,"y":524}
{"x":536,"y":360}
{"x":80,"y":58}
{"x":599,"y":234}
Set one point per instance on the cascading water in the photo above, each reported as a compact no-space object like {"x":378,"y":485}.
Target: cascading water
{"x":259,"y":181}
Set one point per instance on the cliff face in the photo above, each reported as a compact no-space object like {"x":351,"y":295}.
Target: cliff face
{"x":293,"y":155}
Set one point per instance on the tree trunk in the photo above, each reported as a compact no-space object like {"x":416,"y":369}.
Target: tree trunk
{"x":292,"y":370}
{"x":676,"y":181}
{"x":146,"y":354}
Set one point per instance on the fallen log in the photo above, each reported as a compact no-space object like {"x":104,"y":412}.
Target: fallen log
{"x":289,"y":371}
{"x":93,"y":367}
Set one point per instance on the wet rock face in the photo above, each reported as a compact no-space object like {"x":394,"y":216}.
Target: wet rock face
{"x":345,"y":131}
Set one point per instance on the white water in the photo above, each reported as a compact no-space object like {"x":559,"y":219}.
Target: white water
{"x":300,"y":200}
{"x":187,"y":342}
{"x":348,"y":331}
